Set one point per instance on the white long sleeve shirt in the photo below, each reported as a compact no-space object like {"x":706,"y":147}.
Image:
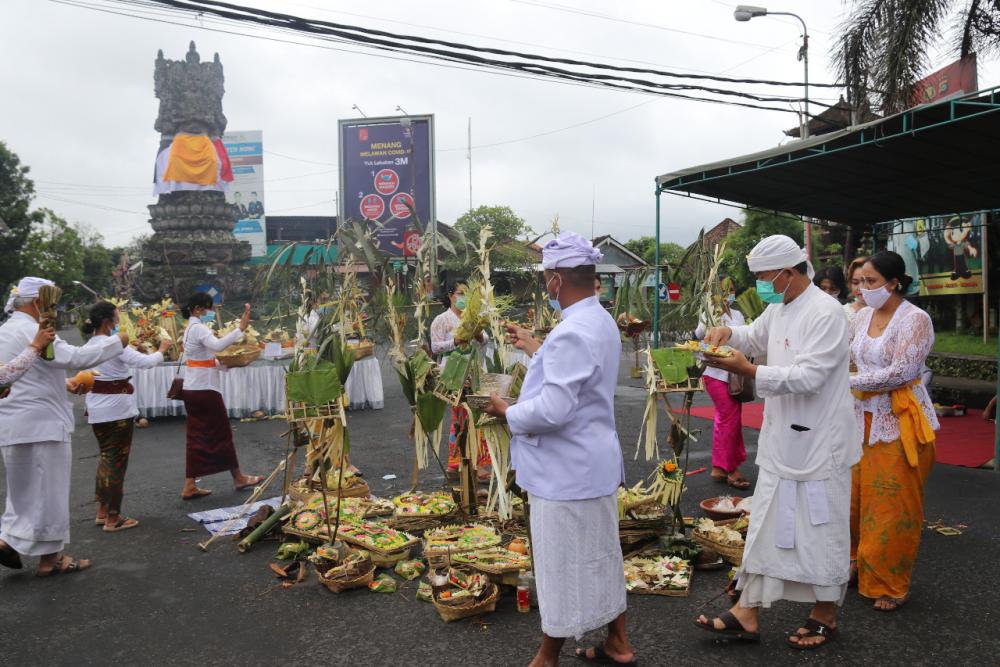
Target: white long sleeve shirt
{"x":565,"y":443}
{"x":809,"y":427}
{"x":200,"y":344}
{"x":103,"y":408}
{"x":443,"y":332}
{"x":38,"y":408}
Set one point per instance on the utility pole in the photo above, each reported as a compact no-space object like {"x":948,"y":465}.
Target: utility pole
{"x":593,"y":207}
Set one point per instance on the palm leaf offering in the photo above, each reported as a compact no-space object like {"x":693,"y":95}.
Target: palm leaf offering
{"x":750,"y":304}
{"x":672,"y":363}
{"x":48,"y":299}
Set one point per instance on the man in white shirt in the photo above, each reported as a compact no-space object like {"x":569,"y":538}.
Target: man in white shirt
{"x":798,"y":544}
{"x":36,"y":422}
{"x":567,"y":456}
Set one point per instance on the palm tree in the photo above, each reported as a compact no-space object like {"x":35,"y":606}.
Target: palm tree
{"x":885,"y":45}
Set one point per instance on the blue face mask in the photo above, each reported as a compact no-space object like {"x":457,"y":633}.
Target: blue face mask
{"x":209,"y":316}
{"x":461,"y":302}
{"x":765,"y":290}
{"x":115,"y":330}
{"x":554,"y":303}
{"x":731,"y":298}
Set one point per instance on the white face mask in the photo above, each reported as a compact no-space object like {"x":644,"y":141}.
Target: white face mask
{"x":876,"y":298}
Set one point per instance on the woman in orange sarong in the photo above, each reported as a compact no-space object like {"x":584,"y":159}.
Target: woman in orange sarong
{"x":890,"y":339}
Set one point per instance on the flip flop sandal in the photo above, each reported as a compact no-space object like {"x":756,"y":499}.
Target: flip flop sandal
{"x":252,"y":481}
{"x":10,"y":558}
{"x":898,"y":602}
{"x":123,"y":523}
{"x":731,"y":628}
{"x":100,"y":520}
{"x":740,"y":483}
{"x":815,"y":629}
{"x":601,"y":657}
{"x":197,"y":493}
{"x":65,"y":568}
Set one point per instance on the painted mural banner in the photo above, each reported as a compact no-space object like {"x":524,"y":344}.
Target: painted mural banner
{"x":943,"y":255}
{"x":246,"y":192}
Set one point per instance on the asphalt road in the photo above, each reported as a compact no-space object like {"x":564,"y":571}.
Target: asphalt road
{"x":152,"y":597}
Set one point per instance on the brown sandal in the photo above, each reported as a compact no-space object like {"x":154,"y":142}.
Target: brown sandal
{"x":741,"y":483}
{"x":65,"y":565}
{"x":197,"y":493}
{"x":813,"y":629}
{"x":251,"y":481}
{"x":122,"y":523}
{"x":896,"y":602}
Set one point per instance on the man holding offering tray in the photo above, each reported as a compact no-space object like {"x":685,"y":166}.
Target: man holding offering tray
{"x":566,"y":453}
{"x":798,"y":544}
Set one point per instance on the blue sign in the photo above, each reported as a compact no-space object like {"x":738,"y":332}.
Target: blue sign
{"x":387,"y":177}
{"x":212,"y":291}
{"x":661,"y":291}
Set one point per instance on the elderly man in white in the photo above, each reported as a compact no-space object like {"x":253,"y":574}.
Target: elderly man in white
{"x":798,"y":545}
{"x":36,"y":422}
{"x":566,"y":453}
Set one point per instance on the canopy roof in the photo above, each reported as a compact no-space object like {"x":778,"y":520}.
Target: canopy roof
{"x":935,"y":159}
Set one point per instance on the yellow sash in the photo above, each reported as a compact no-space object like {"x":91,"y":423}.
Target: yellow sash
{"x":913,"y":425}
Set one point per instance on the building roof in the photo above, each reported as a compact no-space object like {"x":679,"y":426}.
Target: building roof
{"x":297,"y":254}
{"x":837,"y":117}
{"x":607,"y":239}
{"x":307,"y":228}
{"x":936,"y":159}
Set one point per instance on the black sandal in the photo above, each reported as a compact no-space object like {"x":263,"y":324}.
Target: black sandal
{"x":731,"y":627}
{"x":815,"y":629}
{"x":601,"y":657}
{"x":10,"y":558}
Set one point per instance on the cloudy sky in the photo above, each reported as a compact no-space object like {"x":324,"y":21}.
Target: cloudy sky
{"x":79,"y":107}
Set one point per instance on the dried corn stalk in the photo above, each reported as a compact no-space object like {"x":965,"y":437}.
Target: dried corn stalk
{"x":647,"y":432}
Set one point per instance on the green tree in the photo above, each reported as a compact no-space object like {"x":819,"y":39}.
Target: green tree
{"x":54,"y":250}
{"x":887,"y":44}
{"x":510,"y":249}
{"x":645,"y":247}
{"x":756,"y":225}
{"x":98,"y":261}
{"x":16,"y":193}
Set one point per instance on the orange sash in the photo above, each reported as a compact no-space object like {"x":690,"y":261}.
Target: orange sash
{"x":201,"y":363}
{"x":914,"y":427}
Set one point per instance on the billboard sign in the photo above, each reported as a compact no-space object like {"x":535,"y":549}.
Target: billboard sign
{"x":944,"y":255}
{"x":958,"y":78}
{"x":246,"y":192}
{"x":387,"y":178}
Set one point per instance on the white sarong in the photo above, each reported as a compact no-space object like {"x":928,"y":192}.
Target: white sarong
{"x":36,"y":519}
{"x":579,"y":573}
{"x":817,"y":567}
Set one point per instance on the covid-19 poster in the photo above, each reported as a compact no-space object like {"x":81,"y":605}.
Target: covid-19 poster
{"x":387,"y":178}
{"x":246,"y":192}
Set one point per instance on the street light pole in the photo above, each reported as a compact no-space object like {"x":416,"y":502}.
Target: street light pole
{"x":80,"y":284}
{"x":746,"y":12}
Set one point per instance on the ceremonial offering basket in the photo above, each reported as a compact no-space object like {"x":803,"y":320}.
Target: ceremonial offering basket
{"x":354,"y":578}
{"x":467,"y":608}
{"x":238,"y":356}
{"x":363,"y":349}
{"x":731,"y":553}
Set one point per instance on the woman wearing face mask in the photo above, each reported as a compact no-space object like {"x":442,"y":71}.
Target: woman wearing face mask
{"x":728,"y":451}
{"x":443,"y":343}
{"x":209,"y":438}
{"x":890,"y":339}
{"x":111,"y":412}
{"x":854,"y":284}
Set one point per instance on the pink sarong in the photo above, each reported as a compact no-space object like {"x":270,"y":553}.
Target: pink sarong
{"x":728,"y":451}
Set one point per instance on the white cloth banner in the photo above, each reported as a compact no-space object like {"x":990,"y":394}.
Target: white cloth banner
{"x":259,"y":386}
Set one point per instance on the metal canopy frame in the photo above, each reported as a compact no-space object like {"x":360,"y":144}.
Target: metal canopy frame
{"x":864,"y":175}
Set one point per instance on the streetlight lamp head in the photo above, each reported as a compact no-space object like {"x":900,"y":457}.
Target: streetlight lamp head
{"x":747,"y":12}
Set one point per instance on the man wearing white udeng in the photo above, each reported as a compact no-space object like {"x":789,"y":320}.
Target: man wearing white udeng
{"x":36,"y":422}
{"x":798,"y":544}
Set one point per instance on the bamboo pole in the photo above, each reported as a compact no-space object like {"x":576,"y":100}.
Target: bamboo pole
{"x":254,"y":497}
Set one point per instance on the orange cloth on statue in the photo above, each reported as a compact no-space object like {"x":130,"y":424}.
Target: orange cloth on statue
{"x":193,"y":159}
{"x":887,"y":514}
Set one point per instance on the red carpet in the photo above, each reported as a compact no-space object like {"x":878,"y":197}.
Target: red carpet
{"x":961,"y":441}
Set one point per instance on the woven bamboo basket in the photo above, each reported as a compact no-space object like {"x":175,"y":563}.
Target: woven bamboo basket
{"x":237,"y":356}
{"x":456,"y":612}
{"x":389,"y":558}
{"x":296,"y":412}
{"x":732,"y":554}
{"x":668,"y":592}
{"x":338,"y":584}
{"x":689,"y":385}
